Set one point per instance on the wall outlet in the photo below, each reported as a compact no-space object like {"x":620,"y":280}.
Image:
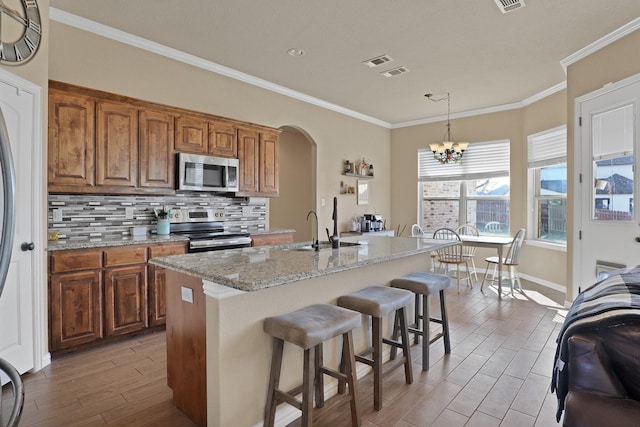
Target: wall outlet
{"x":57,"y":215}
{"x":128,"y":213}
{"x":187,"y":294}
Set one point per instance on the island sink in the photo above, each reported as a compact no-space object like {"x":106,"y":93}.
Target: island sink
{"x":323,"y":245}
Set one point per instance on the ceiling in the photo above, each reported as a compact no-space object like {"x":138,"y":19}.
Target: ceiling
{"x":483,"y":57}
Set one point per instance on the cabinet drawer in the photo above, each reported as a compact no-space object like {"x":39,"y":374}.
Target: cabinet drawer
{"x":166,"y":250}
{"x":63,"y":261}
{"x":125,"y":256}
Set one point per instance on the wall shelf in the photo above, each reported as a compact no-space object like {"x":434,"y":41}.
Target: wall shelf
{"x":357,"y":175}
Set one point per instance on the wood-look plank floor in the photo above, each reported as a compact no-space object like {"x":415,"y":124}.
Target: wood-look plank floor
{"x":498,"y":374}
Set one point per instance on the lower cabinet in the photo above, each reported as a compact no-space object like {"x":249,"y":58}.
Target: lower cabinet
{"x":101,"y":294}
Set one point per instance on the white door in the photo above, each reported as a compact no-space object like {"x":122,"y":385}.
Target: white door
{"x":17,"y":302}
{"x":606,"y":157}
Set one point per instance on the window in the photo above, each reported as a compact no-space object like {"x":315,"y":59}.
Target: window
{"x":475,"y":190}
{"x":547,"y":164}
{"x":612,"y":155}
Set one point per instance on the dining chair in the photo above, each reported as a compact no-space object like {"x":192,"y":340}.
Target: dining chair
{"x":510,"y":260}
{"x":469,"y":252}
{"x":452,"y":255}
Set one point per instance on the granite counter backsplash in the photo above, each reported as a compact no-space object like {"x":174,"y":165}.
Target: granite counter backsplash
{"x":79,"y":217}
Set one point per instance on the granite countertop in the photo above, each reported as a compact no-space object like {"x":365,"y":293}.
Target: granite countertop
{"x":252,"y":269}
{"x":99,"y":242}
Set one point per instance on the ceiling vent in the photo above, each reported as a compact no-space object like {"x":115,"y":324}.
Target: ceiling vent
{"x":509,"y":5}
{"x":378,"y":60}
{"x":395,"y":72}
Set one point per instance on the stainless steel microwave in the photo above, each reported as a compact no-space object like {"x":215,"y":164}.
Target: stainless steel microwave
{"x":207,"y":173}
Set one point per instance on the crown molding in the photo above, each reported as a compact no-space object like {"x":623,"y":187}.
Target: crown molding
{"x":600,"y":43}
{"x":159,"y":49}
{"x":488,"y":110}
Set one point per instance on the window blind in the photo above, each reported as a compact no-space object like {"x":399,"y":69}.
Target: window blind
{"x":481,"y":160}
{"x":613,"y":133}
{"x":547,"y":148}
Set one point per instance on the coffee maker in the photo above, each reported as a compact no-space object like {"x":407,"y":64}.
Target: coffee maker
{"x":371,"y":223}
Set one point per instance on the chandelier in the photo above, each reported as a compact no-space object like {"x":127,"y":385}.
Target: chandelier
{"x":447,"y":150}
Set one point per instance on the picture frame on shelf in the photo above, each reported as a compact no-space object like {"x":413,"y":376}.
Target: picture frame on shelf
{"x":363,"y":192}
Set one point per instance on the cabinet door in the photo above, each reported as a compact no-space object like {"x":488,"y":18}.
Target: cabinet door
{"x":156,"y":150}
{"x":125,"y":291}
{"x":269,"y":164}
{"x":75,"y":309}
{"x":248,"y":155}
{"x":71,"y":139}
{"x":116,"y":144}
{"x":157,"y":283}
{"x":223,"y":139}
{"x":192,"y":135}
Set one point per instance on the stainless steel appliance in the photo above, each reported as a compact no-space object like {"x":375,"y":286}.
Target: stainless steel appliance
{"x":372,"y":222}
{"x":207,"y":173}
{"x":205,"y":230}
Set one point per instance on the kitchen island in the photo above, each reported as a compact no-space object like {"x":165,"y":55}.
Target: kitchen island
{"x":218,"y":356}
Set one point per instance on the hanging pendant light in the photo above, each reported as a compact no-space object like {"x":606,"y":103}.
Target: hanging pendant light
{"x":448,"y":150}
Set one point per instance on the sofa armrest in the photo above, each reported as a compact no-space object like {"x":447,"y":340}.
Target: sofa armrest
{"x":590,"y":369}
{"x":594,"y":410}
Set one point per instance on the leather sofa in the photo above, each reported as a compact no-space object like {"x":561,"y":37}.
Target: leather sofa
{"x":604,"y":378}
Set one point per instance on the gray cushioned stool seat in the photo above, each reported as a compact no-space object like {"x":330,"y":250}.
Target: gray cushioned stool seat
{"x":377,"y":302}
{"x":308,"y":328}
{"x":312,"y":325}
{"x":424,"y":284}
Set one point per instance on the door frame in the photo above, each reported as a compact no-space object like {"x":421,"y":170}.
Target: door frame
{"x":41,"y":354}
{"x":578,"y":173}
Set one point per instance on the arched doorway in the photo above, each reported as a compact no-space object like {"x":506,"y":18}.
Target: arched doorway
{"x":297,"y":171}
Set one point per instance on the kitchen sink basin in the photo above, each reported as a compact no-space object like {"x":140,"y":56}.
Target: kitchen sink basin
{"x":323,"y":245}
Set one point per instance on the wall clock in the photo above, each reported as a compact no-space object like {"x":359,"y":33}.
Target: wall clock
{"x":20,"y":32}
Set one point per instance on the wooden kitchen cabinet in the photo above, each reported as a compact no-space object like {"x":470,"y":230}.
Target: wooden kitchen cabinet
{"x":157,"y":282}
{"x":125,"y":301}
{"x":116,"y":144}
{"x":157,"y":162}
{"x":271,"y":239}
{"x":192,"y":135}
{"x":101,"y":295}
{"x":75,"y":298}
{"x":268,"y":164}
{"x":258,"y":155}
{"x":223,"y":139}
{"x":75,"y":309}
{"x":71,"y":141}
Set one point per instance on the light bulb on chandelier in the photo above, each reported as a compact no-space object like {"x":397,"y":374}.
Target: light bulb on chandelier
{"x":447,"y":150}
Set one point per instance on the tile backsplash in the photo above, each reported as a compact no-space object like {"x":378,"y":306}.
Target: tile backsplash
{"x":86,"y":216}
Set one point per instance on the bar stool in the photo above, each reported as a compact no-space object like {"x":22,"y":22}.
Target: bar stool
{"x":377,"y":302}
{"x":308,"y":328}
{"x":424,"y":284}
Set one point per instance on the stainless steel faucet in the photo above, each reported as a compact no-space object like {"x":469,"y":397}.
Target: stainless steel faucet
{"x":314,"y":244}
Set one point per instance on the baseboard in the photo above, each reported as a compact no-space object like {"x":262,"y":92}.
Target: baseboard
{"x":542,"y":282}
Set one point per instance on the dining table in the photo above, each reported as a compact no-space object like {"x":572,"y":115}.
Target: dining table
{"x":496,"y":242}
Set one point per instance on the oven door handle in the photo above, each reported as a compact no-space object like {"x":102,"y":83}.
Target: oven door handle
{"x":217,"y":243}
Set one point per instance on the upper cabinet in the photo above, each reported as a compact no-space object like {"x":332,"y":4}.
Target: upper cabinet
{"x":258,"y":155}
{"x":156,"y":166}
{"x":110,"y":144}
{"x":223,"y":139}
{"x":192,"y":135}
{"x":116,"y":144}
{"x":71,"y":140}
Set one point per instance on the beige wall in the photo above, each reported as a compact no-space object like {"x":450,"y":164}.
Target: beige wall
{"x":297,"y":196}
{"x":89,"y":60}
{"x":610,"y":64}
{"x":545,"y":265}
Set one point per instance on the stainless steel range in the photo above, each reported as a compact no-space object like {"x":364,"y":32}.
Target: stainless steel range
{"x":205,"y":230}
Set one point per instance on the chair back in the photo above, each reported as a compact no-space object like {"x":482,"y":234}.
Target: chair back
{"x":511,"y":258}
{"x":17,"y":400}
{"x":416,"y":231}
{"x":468,"y":230}
{"x":450,"y":254}
{"x":493,"y":227}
